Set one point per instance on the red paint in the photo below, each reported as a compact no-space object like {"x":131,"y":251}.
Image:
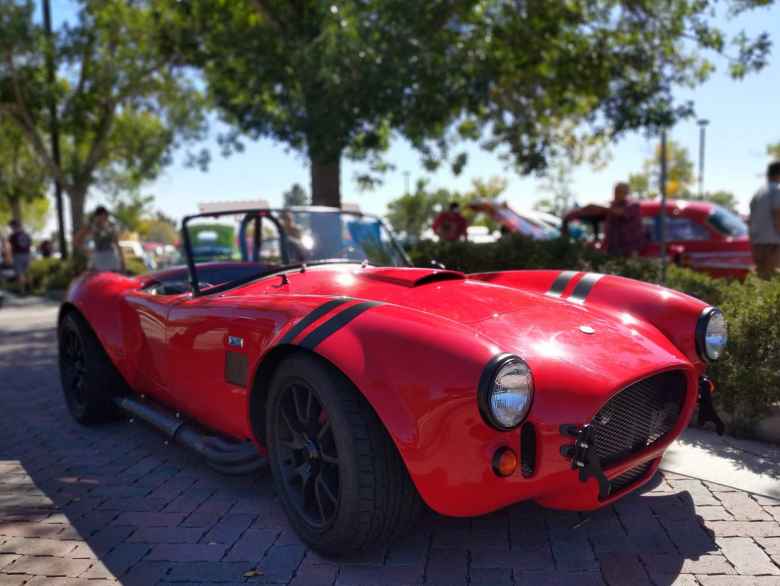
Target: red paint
{"x":417,"y":359}
{"x":714,"y":253}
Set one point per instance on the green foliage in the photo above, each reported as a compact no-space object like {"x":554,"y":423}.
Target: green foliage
{"x":22,"y":180}
{"x":534,"y":81}
{"x":680,"y":176}
{"x":159,"y":228}
{"x":748,"y":375}
{"x":723,"y":198}
{"x":295,"y":196}
{"x":49,"y":275}
{"x":130,"y":210}
{"x":123,"y":105}
{"x":53,"y":274}
{"x":773,"y":150}
{"x":411,"y":214}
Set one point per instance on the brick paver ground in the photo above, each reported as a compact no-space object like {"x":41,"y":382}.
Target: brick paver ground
{"x":113,"y":503}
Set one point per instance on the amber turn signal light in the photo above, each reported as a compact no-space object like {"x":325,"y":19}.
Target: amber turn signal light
{"x":504,"y":462}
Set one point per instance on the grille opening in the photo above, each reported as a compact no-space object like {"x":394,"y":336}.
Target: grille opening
{"x":629,"y":477}
{"x":638,"y":416}
{"x":528,"y":449}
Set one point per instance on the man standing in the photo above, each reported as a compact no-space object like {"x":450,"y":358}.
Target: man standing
{"x":20,"y":243}
{"x":623,"y":230}
{"x":450,"y":225}
{"x":765,"y":224}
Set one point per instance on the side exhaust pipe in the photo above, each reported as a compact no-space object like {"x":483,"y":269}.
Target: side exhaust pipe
{"x":223,"y":455}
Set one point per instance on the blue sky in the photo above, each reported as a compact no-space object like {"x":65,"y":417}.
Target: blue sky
{"x":743,"y":120}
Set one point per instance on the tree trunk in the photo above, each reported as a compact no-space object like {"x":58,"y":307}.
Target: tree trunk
{"x":16,"y":209}
{"x":326,"y":183}
{"x":78,"y":198}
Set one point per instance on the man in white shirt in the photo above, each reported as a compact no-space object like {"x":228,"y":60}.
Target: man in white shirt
{"x":765,"y":224}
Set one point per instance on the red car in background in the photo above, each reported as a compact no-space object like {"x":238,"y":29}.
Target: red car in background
{"x":700,"y":235}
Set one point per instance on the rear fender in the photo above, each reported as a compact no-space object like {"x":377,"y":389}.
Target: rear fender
{"x":98,"y":297}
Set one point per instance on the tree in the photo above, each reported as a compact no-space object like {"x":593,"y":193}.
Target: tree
{"x":680,"y":177}
{"x":295,"y":196}
{"x":773,"y":150}
{"x":122,"y":105}
{"x":159,"y":228}
{"x":34,"y":214}
{"x":558,"y":183}
{"x":130,"y":211}
{"x":22,"y":181}
{"x":722,"y":198}
{"x":412,"y":213}
{"x":532,"y":80}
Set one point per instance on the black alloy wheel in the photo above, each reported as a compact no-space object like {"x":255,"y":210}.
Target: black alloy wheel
{"x":309,"y":459}
{"x":73,"y":366}
{"x":89,"y":379}
{"x":337,"y":472}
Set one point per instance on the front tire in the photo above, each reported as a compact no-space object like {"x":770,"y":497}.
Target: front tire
{"x":89,"y":379}
{"x":338,"y":474}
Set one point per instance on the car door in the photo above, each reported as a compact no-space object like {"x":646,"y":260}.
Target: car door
{"x":214,"y":343}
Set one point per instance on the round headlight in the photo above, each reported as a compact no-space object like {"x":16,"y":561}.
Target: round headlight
{"x":506,"y":392}
{"x":711,"y":334}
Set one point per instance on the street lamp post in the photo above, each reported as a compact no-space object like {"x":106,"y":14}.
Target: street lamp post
{"x":702,"y":139}
{"x":662,"y":215}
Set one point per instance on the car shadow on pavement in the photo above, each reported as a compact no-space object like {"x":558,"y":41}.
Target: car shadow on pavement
{"x":114,"y":501}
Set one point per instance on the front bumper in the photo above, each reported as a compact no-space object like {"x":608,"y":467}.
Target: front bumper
{"x":556,"y":482}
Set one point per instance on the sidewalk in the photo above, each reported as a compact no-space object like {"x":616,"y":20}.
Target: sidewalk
{"x":94,"y":506}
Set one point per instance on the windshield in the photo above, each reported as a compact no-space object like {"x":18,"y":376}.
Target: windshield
{"x":728,"y":223}
{"x":229,"y":248}
{"x":317,"y":236}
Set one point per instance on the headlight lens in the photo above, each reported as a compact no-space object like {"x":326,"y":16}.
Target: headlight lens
{"x":507,"y":395}
{"x":712,"y":334}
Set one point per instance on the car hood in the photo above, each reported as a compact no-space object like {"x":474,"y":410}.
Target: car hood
{"x":519,"y":320}
{"x":558,"y":338}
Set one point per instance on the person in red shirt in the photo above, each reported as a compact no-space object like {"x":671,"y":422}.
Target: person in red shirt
{"x":450,"y":225}
{"x":20,"y":243}
{"x":624,"y":234}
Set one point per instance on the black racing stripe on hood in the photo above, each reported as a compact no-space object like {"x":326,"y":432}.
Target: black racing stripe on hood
{"x":560,"y":282}
{"x":583,"y":287}
{"x":311,"y":318}
{"x":336,"y":323}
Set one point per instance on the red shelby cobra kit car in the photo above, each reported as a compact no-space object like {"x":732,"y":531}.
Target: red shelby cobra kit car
{"x":701,"y":235}
{"x":369,"y":387}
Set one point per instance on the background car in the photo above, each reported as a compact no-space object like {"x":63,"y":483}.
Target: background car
{"x":701,"y":235}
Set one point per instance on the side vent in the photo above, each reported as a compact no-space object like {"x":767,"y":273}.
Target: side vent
{"x":528,"y":449}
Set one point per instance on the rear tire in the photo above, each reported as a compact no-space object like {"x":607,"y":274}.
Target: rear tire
{"x":338,"y":474}
{"x":89,"y":379}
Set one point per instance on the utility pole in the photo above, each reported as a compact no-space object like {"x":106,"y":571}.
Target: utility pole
{"x":702,"y":139}
{"x":54,"y":127}
{"x":662,"y":215}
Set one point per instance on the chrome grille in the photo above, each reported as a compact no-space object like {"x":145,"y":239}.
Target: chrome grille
{"x":638,"y":416}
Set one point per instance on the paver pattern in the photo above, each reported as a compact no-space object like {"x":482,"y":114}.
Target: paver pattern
{"x":114,"y":503}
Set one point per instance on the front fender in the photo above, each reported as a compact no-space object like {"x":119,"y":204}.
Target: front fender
{"x":630,"y":301}
{"x":420,"y":374}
